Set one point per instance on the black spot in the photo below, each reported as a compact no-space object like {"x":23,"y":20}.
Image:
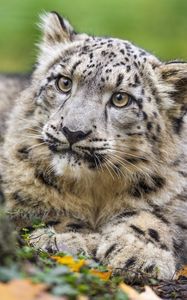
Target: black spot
{"x":116,"y":65}
{"x":126,"y":214}
{"x":135,"y":64}
{"x":158,"y":181}
{"x":46,"y":179}
{"x":122,"y":51}
{"x":75,"y":66}
{"x":182,"y":197}
{"x":149,"y":125}
{"x":106,"y":114}
{"x":128,"y":68}
{"x":104,"y":53}
{"x":177,"y":124}
{"x":130,"y":262}
{"x":137,"y":229}
{"x":144,"y":115}
{"x":142,"y":52}
{"x":85,"y":48}
{"x":134,"y":133}
{"x":154,"y":234}
{"x":2,"y":198}
{"x":30,"y":112}
{"x":75,"y":226}
{"x":136,"y":79}
{"x":23,"y":152}
{"x":110,"y":249}
{"x":119,"y":79}
{"x":158,"y":128}
{"x":179,"y":246}
{"x":182,"y":226}
{"x":142,"y":187}
{"x":164,"y":247}
{"x":158,"y":213}
{"x":149,"y":269}
{"x":52,"y":223}
{"x":21,"y":198}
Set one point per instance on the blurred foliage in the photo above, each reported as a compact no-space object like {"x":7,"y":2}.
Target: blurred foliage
{"x":159,"y":26}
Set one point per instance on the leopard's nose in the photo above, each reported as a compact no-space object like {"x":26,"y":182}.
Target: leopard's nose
{"x":74,"y":136}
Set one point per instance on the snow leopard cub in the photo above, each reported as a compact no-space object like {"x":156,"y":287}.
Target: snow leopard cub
{"x":96,"y":149}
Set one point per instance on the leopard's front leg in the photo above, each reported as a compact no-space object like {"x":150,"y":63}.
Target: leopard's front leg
{"x":140,"y":243}
{"x":70,"y":241}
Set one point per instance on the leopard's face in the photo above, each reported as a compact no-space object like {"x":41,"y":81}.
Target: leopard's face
{"x":100,"y":98}
{"x":99,"y":106}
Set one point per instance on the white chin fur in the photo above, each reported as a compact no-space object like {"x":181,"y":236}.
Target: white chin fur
{"x":63,"y":166}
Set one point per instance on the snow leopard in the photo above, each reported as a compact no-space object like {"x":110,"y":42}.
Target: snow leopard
{"x":95,"y":147}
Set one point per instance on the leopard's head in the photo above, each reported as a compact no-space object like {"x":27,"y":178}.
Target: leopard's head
{"x":109,"y":105}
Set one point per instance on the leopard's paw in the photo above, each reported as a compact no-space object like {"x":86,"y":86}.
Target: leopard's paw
{"x":137,"y":259}
{"x":70,"y":242}
{"x":46,"y":240}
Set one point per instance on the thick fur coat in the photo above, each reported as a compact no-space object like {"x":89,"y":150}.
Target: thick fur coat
{"x":95,"y":147}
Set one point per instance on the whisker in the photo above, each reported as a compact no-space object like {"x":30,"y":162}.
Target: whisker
{"x":35,"y":146}
{"x":125,"y":161}
{"x":122,"y":150}
{"x":113,"y":167}
{"x":126,"y":153}
{"x":108,"y":167}
{"x":32,"y":136}
{"x":118,"y":170}
{"x":121,"y":162}
{"x":95,"y":160}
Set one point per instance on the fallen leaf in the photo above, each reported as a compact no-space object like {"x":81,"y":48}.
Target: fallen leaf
{"x":181,"y":273}
{"x":46,"y":296}
{"x":148,"y":294}
{"x":74,"y":265}
{"x":102,"y":275}
{"x":18,"y":289}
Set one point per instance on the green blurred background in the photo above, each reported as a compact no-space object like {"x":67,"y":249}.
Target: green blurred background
{"x":159,"y":26}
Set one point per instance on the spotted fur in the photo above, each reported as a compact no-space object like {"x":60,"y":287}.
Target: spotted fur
{"x":108,"y":181}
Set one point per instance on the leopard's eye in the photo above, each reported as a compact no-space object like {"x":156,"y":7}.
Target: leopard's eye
{"x":121,"y":99}
{"x":64,"y":84}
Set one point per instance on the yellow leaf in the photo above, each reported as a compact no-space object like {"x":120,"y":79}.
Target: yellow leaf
{"x":74,"y":265}
{"x":101,"y":275}
{"x":181,"y":272}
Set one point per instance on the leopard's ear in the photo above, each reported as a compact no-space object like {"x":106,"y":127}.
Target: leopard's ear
{"x":55,"y":29}
{"x":173,"y":77}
